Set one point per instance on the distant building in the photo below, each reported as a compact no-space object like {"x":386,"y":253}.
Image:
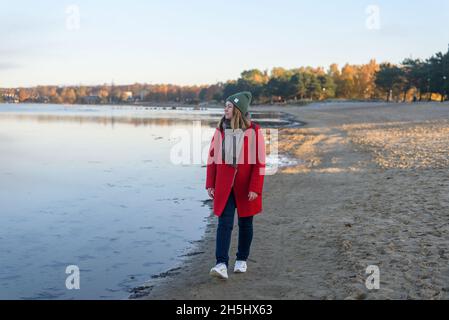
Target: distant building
{"x":143,"y":94}
{"x":42,"y":99}
{"x":10,"y":98}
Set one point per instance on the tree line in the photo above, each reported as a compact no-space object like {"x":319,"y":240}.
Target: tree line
{"x":411,"y":80}
{"x":422,"y":79}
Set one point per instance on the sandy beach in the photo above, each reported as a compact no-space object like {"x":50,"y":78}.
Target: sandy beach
{"x":372,"y":188}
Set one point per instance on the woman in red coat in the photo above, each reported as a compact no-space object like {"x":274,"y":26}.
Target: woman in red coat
{"x":235,"y":176}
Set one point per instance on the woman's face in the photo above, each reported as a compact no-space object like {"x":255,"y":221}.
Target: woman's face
{"x":229,"y":108}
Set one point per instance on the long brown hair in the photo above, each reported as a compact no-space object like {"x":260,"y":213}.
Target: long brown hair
{"x":238,"y":121}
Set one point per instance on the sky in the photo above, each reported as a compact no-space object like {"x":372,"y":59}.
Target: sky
{"x":197,"y":42}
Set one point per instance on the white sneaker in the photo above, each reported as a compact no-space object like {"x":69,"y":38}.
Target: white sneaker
{"x":240,"y":266}
{"x":219,"y":271}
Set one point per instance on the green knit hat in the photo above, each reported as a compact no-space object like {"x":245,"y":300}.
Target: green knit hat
{"x":241,"y":101}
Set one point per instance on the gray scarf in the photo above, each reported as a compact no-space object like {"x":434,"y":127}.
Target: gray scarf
{"x":232,"y":143}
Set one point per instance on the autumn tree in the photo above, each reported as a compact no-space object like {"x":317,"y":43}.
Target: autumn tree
{"x":103,"y":94}
{"x":23,"y":95}
{"x":68,"y":95}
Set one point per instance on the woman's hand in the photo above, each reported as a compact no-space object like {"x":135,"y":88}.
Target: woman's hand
{"x":252,"y":196}
{"x":211,"y":192}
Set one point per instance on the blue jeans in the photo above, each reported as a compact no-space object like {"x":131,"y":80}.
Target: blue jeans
{"x":224,"y":232}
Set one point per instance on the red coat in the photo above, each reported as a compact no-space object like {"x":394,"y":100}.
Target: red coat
{"x":249,"y":175}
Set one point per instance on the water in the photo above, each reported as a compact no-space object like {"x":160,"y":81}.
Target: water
{"x":93,"y":186}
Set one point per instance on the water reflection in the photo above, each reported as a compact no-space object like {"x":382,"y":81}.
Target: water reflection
{"x":108,"y":115}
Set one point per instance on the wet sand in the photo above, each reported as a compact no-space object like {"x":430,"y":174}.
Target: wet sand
{"x":372,"y":189}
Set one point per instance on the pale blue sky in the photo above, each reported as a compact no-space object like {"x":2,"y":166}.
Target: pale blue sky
{"x":200,"y":42}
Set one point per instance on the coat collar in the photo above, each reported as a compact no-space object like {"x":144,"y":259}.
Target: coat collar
{"x":252,"y":126}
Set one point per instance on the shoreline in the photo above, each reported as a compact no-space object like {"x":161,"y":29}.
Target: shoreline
{"x":160,"y":285}
{"x":202,"y":245}
{"x":372,"y":189}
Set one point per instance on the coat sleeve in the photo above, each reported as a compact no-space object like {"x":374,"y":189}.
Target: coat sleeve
{"x":258,"y":169}
{"x":211,"y":167}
